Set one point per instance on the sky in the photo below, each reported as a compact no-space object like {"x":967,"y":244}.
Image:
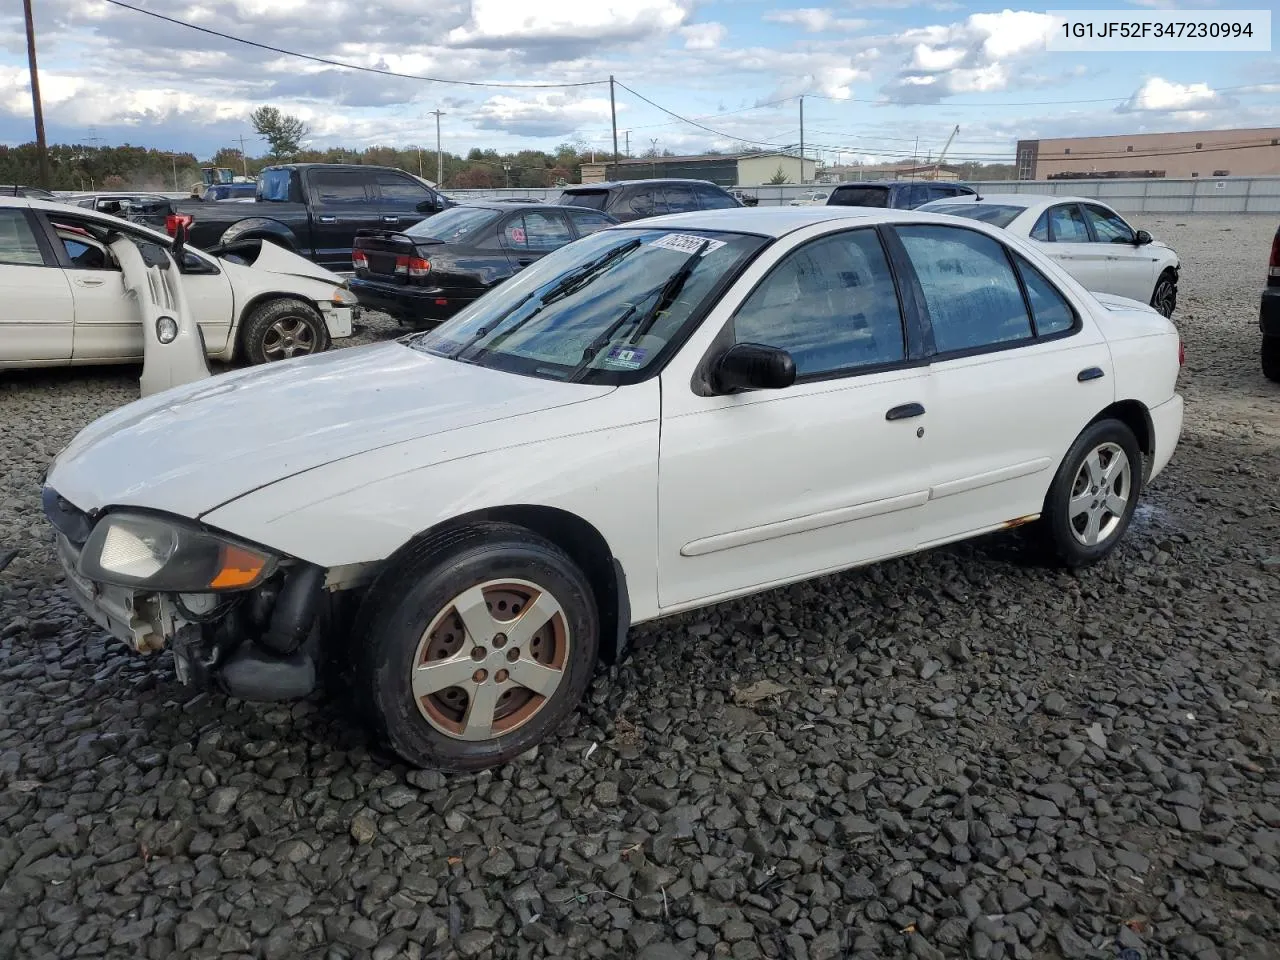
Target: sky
{"x":880,"y":80}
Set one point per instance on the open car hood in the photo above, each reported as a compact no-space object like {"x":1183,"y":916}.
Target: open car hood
{"x":191,"y":449}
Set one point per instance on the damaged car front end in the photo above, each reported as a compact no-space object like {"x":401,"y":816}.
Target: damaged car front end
{"x":234,"y":614}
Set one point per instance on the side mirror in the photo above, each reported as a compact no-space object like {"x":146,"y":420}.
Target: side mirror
{"x":1141,"y":238}
{"x":752,"y":366}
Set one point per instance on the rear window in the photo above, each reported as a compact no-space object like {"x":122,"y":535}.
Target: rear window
{"x":996,"y":214}
{"x":859,"y":197}
{"x":453,"y":223}
{"x":595,"y":199}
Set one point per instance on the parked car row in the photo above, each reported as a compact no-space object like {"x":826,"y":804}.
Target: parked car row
{"x":663,"y":414}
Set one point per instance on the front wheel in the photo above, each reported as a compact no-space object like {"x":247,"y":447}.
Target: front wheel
{"x":281,"y":329}
{"x":1271,"y":358}
{"x":1165,"y":296}
{"x":1093,"y":495}
{"x":476,"y":647}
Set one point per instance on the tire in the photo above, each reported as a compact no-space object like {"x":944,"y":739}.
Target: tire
{"x":1271,"y":358}
{"x":411,"y":632}
{"x":283,"y":328}
{"x":1068,"y":519}
{"x":1165,"y":295}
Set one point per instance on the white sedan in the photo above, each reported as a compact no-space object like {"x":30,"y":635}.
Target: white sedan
{"x":662,"y":415}
{"x":810,"y":198}
{"x":1090,"y":240}
{"x":64,"y":297}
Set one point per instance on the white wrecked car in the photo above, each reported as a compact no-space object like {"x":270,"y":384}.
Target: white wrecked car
{"x":65,"y":302}
{"x":663,"y":415}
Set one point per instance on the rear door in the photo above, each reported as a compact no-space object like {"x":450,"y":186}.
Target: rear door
{"x":37,"y":311}
{"x":341,"y":202}
{"x":403,"y":201}
{"x":1063,"y":234}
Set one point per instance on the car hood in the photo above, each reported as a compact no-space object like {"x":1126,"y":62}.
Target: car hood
{"x":194,"y":448}
{"x":273,"y":258}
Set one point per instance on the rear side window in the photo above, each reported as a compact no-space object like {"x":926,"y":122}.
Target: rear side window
{"x":859,"y":197}
{"x":647,"y":202}
{"x":913,"y":196}
{"x":18,"y":241}
{"x":1041,"y":230}
{"x":1066,"y":224}
{"x":595,"y":199}
{"x":537,"y":231}
{"x":712,"y":199}
{"x":1049,"y":308}
{"x":586,"y":222}
{"x":338,"y":186}
{"x":680,"y":199}
{"x":275,"y":185}
{"x":969,"y":286}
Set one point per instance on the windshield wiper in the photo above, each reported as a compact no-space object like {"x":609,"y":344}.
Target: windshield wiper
{"x":567,"y":285}
{"x":668,"y":292}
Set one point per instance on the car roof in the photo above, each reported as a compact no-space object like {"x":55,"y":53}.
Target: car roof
{"x":612,"y":184}
{"x":779,"y":221}
{"x":1025,"y":200}
{"x":506,"y":206}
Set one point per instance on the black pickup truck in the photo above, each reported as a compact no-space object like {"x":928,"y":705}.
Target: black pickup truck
{"x":313,"y":209}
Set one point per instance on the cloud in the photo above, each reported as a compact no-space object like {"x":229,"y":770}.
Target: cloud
{"x":985,"y":52}
{"x":507,"y":23}
{"x":1160,"y":95}
{"x":703,"y":36}
{"x":815,"y":19}
{"x":541,"y":114}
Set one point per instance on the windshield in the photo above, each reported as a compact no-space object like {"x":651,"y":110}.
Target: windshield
{"x":607,"y":309}
{"x":453,"y":223}
{"x":595,"y":199}
{"x":860,"y":197}
{"x":996,"y":214}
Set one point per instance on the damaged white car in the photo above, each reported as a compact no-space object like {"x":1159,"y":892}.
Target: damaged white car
{"x":665,"y":414}
{"x":65,"y":297}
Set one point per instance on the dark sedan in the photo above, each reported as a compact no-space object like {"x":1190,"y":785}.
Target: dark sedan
{"x":429,"y":272}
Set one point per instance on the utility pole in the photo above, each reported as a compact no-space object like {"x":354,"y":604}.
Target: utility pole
{"x":174,"y":158}
{"x":802,"y":138}
{"x":628,"y":150}
{"x":244,"y":157}
{"x":42,"y":148}
{"x":613,"y":115}
{"x":439,"y":155}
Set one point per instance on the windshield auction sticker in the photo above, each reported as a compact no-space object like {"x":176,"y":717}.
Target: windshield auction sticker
{"x":686,"y":243}
{"x":625,"y":358}
{"x":1173,"y":31}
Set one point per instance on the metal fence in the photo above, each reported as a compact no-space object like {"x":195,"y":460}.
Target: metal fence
{"x":1204,"y":195}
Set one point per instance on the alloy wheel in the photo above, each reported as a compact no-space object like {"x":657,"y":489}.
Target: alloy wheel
{"x":1100,"y":494}
{"x":491,"y":659}
{"x":288,"y":337}
{"x":1165,"y":298}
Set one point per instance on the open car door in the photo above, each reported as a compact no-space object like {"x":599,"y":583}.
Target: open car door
{"x":173,"y":347}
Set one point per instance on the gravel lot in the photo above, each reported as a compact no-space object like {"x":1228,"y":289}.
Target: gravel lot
{"x":965,"y":754}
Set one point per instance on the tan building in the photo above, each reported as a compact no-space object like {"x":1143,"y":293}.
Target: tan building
{"x":728,"y":170}
{"x":1198,"y":153}
{"x":887,"y":171}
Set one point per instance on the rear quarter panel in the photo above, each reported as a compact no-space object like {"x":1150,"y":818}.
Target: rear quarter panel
{"x":1144,"y":350}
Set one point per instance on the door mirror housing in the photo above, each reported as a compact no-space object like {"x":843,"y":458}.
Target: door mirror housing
{"x":752,"y":366}
{"x":1141,"y":238}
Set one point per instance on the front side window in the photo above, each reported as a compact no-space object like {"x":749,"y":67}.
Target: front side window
{"x":1108,"y":226}
{"x":338,"y":187}
{"x":831,"y":304}
{"x":1066,"y":224}
{"x":18,"y":244}
{"x":610,"y":308}
{"x":401,"y":189}
{"x":970,"y":290}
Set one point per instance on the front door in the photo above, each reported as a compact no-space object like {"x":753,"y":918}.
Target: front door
{"x":994,"y":459}
{"x":1131,"y":269}
{"x":762,"y":487}
{"x":403,"y":201}
{"x":37,"y":312}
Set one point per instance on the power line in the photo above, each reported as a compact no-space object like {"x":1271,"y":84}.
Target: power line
{"x":1016,"y":103}
{"x":339,"y":63}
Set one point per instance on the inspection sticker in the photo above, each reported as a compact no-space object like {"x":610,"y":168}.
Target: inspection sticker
{"x":625,"y":358}
{"x":686,"y":243}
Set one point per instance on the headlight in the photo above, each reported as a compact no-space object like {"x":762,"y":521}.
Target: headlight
{"x":156,"y":553}
{"x":343,"y":297}
{"x":166,"y":329}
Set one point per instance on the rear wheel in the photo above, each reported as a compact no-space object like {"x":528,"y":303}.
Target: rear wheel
{"x":281,"y":329}
{"x":476,"y":647}
{"x":1271,"y":358}
{"x":1093,"y":496}
{"x":1165,"y":296}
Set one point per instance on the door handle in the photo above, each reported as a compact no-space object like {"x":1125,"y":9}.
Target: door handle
{"x":1090,"y":373}
{"x":905,"y":411}
{"x":524,"y":261}
{"x":390,"y":219}
{"x":324,"y":218}
{"x":89,"y":281}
